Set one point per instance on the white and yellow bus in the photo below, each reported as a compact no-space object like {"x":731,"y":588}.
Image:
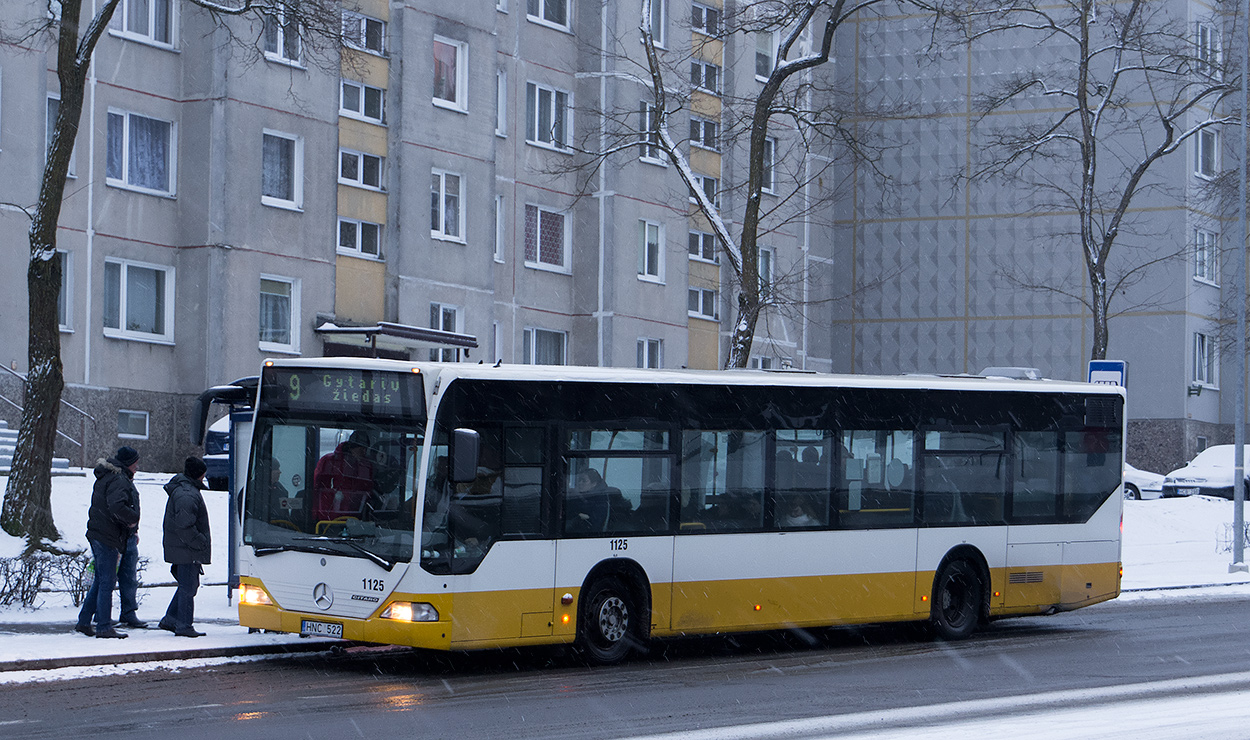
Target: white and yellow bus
{"x":460,"y":506}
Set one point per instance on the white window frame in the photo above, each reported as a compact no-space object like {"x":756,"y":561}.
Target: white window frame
{"x":1206,"y":256}
{"x":501,"y":6}
{"x":296,"y":203}
{"x":529,"y":344}
{"x":361,"y":158}
{"x":703,"y":298}
{"x":501,"y":103}
{"x":536,"y":263}
{"x":536,"y":12}
{"x":501,"y":220}
{"x":533,"y":114}
{"x":699,"y":128}
{"x":440,"y":230}
{"x":770,"y":59}
{"x":699,"y":14}
{"x":649,"y":135}
{"x":358,"y":249}
{"x":120,"y":27}
{"x":293,"y":311}
{"x":710,"y":187}
{"x":1206,"y":49}
{"x":767,"y":270}
{"x":768,"y":179}
{"x":1205,"y":366}
{"x":171,"y":161}
{"x":356,"y":32}
{"x":123,"y":289}
{"x":650,"y":353}
{"x":363,"y":91}
{"x":277,"y":51}
{"x":1207,"y":141}
{"x":49,"y":125}
{"x":439,"y":313}
{"x":65,"y":299}
{"x":659,"y":23}
{"x":134,"y":414}
{"x":461,"y":102}
{"x":759,"y":362}
{"x":650,"y":253}
{"x":704,"y":238}
{"x":701,"y":83}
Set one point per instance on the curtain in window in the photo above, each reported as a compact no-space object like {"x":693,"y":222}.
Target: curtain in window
{"x":149,"y":153}
{"x":551,"y":239}
{"x":275,"y":311}
{"x":145,"y":300}
{"x":116,"y":146}
{"x":548,"y":347}
{"x":451,"y":205}
{"x":137,"y":16}
{"x":444,"y":71}
{"x":112,"y":295}
{"x":278,"y":168}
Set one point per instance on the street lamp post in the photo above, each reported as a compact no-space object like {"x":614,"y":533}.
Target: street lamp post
{"x":1239,"y":404}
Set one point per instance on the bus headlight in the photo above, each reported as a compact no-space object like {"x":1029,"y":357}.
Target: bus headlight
{"x":410,"y":611}
{"x":253,"y":596}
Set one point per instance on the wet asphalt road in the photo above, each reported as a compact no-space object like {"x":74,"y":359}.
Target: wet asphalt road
{"x":679,"y":685}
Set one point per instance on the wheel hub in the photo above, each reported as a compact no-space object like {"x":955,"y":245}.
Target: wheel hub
{"x":613,"y":619}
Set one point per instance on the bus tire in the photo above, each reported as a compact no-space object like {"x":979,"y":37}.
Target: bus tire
{"x":957,"y":597}
{"x":609,"y":622}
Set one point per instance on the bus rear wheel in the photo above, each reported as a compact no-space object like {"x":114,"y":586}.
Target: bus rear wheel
{"x":957,"y":597}
{"x":608,"y":630}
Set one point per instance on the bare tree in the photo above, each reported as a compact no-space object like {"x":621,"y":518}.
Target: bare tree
{"x":1126,"y":87}
{"x":315,"y":24}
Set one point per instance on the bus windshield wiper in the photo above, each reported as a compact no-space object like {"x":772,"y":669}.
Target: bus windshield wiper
{"x":351,"y":541}
{"x":273,"y":550}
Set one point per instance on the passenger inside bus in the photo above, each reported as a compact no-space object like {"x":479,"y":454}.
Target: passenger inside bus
{"x":591,"y":504}
{"x":343,"y":479}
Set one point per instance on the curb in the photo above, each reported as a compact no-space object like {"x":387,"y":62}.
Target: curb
{"x":1183,"y":588}
{"x":43,"y":664}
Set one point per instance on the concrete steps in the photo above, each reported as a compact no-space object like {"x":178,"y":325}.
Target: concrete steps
{"x":8,"y":444}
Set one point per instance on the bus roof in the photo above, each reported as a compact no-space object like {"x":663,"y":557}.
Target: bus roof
{"x":783,"y":378}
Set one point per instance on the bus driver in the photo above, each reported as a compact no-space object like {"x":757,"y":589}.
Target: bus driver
{"x":343,"y":479}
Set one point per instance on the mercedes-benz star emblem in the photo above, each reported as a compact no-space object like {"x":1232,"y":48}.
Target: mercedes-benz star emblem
{"x":323,"y":596}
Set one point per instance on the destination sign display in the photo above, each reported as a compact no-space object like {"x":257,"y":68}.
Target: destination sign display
{"x":343,"y":391}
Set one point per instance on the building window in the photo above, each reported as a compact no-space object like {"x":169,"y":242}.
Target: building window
{"x":544,"y":347}
{"x":360,"y":237}
{"x":1201,"y":444}
{"x":279,"y":307}
{"x":703,"y":246}
{"x":132,"y":424}
{"x":446,"y":215}
{"x":500,"y":226}
{"x":1206,"y":49}
{"x":451,"y":66}
{"x":649,"y":133}
{"x":766,"y":272}
{"x":659,"y":22}
{"x":546,"y":238}
{"x":281,"y":38}
{"x":362,"y":102}
{"x":1206,"y":153}
{"x":761,"y":363}
{"x":54,"y":109}
{"x":146,"y":20}
{"x":1206,"y":255}
{"x":501,"y":102}
{"x":704,"y":19}
{"x":649,"y":353}
{"x":765,"y":54}
{"x":445,"y":318}
{"x":140,"y":153}
{"x":767,"y":183}
{"x":501,"y":6}
{"x":547,"y":116}
{"x":137,"y":301}
{"x":703,"y":133}
{"x":1204,"y":359}
{"x":701,"y":303}
{"x":705,"y":76}
{"x":651,"y":251}
{"x":710,"y":187}
{"x":364,"y":33}
{"x":282,"y":170}
{"x":67,"y":290}
{"x":553,"y":13}
{"x":360,"y":169}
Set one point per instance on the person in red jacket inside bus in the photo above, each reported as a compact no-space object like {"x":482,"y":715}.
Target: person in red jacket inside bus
{"x":343,"y":479}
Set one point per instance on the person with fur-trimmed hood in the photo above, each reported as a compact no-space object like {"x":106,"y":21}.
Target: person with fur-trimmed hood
{"x":188,"y":545}
{"x":111,"y":520}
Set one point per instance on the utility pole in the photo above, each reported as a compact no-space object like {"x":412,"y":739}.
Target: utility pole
{"x":1239,"y":403}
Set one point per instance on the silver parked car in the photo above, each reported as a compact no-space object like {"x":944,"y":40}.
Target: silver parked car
{"x":1140,"y":484}
{"x":1210,"y":473}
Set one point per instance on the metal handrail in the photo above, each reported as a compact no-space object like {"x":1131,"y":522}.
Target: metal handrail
{"x":17,"y":406}
{"x":16,"y":374}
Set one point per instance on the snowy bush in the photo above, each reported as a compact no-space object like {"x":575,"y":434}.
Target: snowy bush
{"x":75,"y":573}
{"x":22,"y":578}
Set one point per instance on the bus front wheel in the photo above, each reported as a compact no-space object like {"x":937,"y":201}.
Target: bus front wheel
{"x":957,"y":595}
{"x":609,"y":622}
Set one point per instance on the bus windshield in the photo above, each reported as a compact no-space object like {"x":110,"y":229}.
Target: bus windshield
{"x":329,"y":485}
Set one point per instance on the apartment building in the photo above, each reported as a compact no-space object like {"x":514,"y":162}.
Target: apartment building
{"x":235,"y":197}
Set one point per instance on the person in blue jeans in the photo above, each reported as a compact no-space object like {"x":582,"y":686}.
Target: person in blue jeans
{"x":188,"y":545}
{"x":112,"y":520}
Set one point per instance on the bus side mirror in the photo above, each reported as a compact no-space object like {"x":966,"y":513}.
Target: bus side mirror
{"x":465,"y":444}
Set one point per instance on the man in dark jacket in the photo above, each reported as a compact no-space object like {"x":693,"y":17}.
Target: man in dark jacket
{"x":187,"y":544}
{"x":112,"y":518}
